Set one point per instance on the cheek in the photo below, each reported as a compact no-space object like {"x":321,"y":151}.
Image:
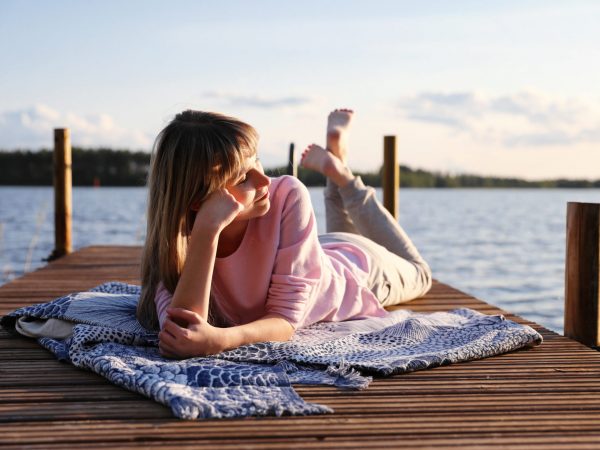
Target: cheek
{"x":241,"y":195}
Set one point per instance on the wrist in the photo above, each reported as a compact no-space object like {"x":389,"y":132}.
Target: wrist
{"x":206,"y":229}
{"x":205,"y":237}
{"x":230,"y":338}
{"x":209,"y":221}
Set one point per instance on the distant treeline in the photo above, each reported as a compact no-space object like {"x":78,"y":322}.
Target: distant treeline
{"x":103,"y":166}
{"x":109,"y":167}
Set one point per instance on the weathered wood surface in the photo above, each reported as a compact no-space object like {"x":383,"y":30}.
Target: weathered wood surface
{"x":543,"y":398}
{"x":582,"y":273}
{"x":63,"y":204}
{"x":391,"y":175}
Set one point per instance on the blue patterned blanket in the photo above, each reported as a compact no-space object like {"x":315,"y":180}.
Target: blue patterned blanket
{"x":257,"y":379}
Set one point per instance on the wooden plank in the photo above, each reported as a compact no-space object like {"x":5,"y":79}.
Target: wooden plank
{"x":431,"y":425}
{"x":373,"y":435}
{"x":352,"y":404}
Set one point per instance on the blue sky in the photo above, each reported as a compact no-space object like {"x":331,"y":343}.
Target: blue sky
{"x":498,"y":88}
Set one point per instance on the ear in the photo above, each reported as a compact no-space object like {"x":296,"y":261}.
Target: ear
{"x":191,"y":218}
{"x":195,"y":205}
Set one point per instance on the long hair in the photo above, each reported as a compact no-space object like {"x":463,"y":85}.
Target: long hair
{"x":194,"y":155}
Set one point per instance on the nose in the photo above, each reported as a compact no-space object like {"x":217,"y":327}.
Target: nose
{"x":261,"y":179}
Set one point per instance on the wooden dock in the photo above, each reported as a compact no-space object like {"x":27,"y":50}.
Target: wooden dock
{"x":547,"y":397}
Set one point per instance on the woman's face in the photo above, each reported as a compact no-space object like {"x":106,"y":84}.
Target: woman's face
{"x":251,"y":189}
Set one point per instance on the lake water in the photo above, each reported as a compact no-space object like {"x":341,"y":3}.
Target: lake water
{"x":505,"y":246}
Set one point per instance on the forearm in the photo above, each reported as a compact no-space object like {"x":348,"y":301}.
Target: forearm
{"x":269,"y":328}
{"x":193,"y":289}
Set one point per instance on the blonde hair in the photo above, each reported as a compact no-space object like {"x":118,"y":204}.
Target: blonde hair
{"x":194,"y":155}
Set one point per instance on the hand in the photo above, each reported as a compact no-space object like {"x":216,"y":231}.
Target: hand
{"x":217,"y":211}
{"x":199,"y":338}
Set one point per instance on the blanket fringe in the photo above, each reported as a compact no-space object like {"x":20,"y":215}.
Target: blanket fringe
{"x":348,"y":377}
{"x":342,"y":375}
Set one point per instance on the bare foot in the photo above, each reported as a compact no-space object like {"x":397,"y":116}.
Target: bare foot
{"x":326,"y":163}
{"x":338,"y":125}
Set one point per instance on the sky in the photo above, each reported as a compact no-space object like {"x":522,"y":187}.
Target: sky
{"x":503,"y":88}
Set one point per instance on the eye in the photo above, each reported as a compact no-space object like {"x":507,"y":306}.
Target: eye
{"x":243,"y":180}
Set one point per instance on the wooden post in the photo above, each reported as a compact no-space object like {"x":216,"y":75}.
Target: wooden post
{"x":582,"y":270}
{"x":391,"y":175}
{"x":62,"y":193}
{"x":292,"y":168}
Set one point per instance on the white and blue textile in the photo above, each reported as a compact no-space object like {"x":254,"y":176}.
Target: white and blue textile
{"x":257,"y":379}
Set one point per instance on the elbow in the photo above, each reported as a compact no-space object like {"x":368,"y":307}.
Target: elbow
{"x":285,"y":330}
{"x":290,"y":332}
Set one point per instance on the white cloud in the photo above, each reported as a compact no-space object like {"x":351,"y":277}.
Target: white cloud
{"x":32,"y":128}
{"x":524,"y":119}
{"x":255,"y":101}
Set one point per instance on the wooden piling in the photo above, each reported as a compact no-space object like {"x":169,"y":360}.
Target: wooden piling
{"x":292,"y":168}
{"x":582,"y":270}
{"x":62,"y":193}
{"x":391,"y":175}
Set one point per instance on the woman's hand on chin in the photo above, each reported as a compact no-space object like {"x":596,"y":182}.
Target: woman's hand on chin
{"x":217,"y":211}
{"x":198,"y":338}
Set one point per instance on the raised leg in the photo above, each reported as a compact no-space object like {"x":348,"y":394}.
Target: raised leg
{"x":336,"y":216}
{"x":338,"y":127}
{"x":360,"y":203}
{"x":398,"y":273}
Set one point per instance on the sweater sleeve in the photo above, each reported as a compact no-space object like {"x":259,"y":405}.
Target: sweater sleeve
{"x":162,"y":300}
{"x":298,"y":261}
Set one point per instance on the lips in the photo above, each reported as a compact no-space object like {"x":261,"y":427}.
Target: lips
{"x":262,"y":197}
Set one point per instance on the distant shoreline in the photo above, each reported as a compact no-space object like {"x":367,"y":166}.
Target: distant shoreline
{"x":109,"y":167}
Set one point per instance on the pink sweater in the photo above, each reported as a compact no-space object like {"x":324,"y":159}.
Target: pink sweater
{"x":280,"y":268}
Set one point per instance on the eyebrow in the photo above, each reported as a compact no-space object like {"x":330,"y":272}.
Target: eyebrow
{"x":253,"y":159}
{"x":245,"y":169}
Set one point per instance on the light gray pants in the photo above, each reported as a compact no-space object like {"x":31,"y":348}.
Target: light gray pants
{"x":354,"y":215}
